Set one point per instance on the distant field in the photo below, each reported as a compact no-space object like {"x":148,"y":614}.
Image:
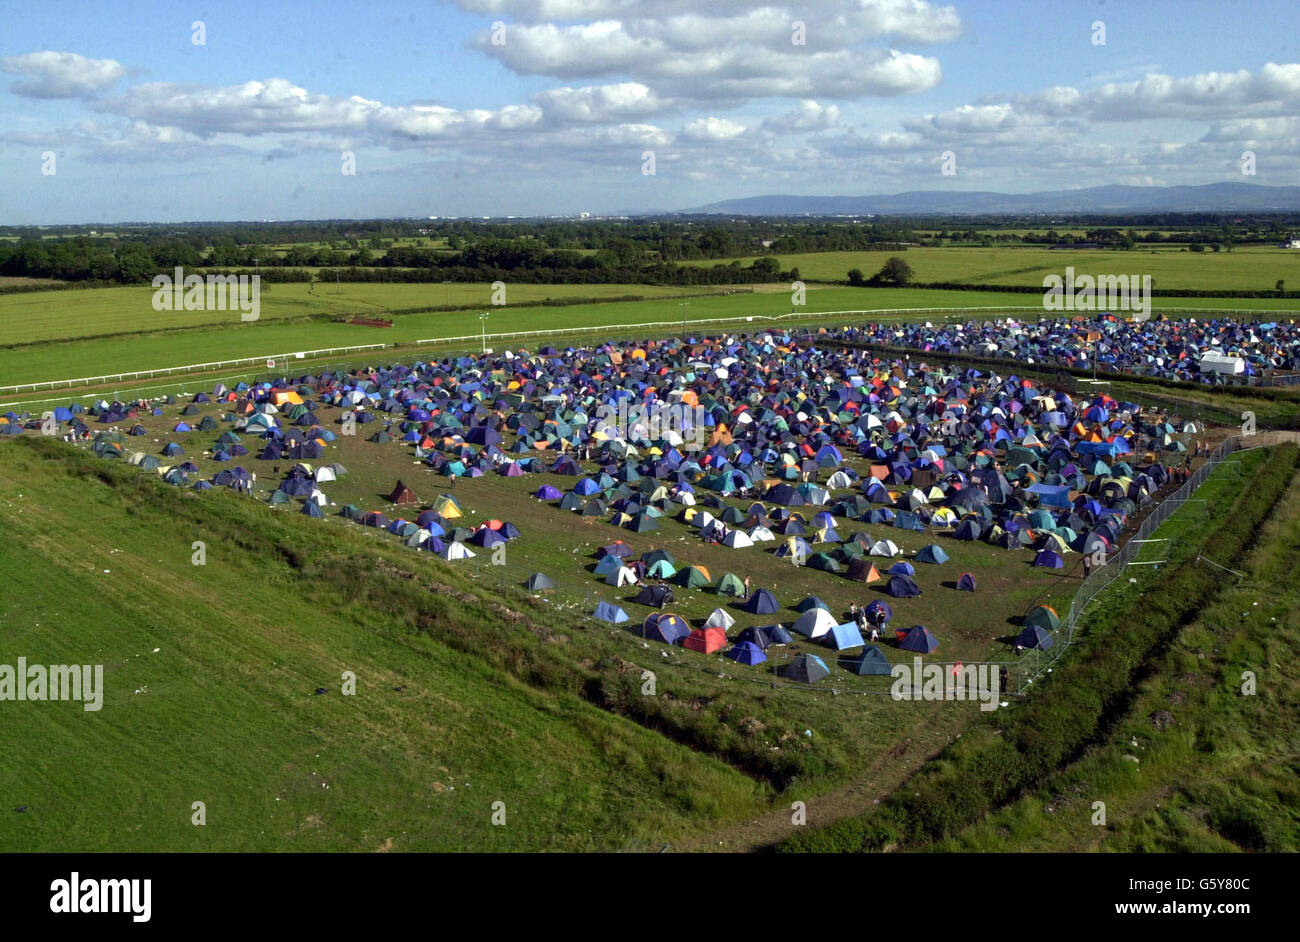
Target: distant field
{"x":92,"y":312}
{"x":231,"y":339}
{"x":7,"y":280}
{"x":1245,"y":269}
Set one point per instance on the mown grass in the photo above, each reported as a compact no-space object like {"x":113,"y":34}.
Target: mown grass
{"x":1251,"y":268}
{"x":128,"y":346}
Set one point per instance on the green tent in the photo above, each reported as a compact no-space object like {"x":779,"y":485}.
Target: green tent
{"x":730,"y":584}
{"x":693,"y":577}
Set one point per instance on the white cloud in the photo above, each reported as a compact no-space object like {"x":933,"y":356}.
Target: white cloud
{"x":712,"y":129}
{"x":809,"y":116}
{"x":727,"y":52}
{"x":51,"y":74}
{"x":600,"y":103}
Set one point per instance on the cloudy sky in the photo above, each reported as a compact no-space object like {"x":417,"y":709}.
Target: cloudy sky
{"x":525,"y":107}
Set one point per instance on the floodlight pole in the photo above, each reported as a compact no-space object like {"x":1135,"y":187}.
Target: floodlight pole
{"x":482,"y":320}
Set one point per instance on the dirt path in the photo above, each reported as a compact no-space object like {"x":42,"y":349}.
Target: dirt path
{"x":924,"y":740}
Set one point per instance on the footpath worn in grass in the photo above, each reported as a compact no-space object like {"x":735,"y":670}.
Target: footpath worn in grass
{"x":1022,"y":748}
{"x":210,"y":672}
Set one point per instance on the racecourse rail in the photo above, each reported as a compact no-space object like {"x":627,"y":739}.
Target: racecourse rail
{"x":560,"y":331}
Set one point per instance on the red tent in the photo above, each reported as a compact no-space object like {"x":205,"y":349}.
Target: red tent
{"x":706,"y":640}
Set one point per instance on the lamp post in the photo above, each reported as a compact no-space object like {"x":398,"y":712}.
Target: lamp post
{"x":684,"y":302}
{"x":482,"y":320}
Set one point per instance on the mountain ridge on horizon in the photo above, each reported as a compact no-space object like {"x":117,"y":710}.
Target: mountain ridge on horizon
{"x":1120,"y":198}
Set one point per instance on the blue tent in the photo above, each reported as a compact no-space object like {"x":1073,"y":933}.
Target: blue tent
{"x":932,"y":554}
{"x":747,"y":652}
{"x":669,"y":629}
{"x":610,"y":613}
{"x":872,"y":662}
{"x":777,"y":634}
{"x":586,"y":487}
{"x":844,"y":636}
{"x":902,"y":569}
{"x":807,"y":669}
{"x":1051,"y":495}
{"x":811,"y":601}
{"x":903,"y":587}
{"x":918,"y":639}
{"x":1049,"y":559}
{"x":1035,"y":637}
{"x":966,"y":583}
{"x":879,"y":612}
{"x":762,"y":602}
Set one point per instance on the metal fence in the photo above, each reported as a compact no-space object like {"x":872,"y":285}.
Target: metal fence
{"x":1032,"y":666}
{"x":187,"y":368}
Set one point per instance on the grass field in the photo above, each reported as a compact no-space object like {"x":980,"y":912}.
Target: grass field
{"x":1251,"y":268}
{"x":131,"y":347}
{"x":1085,"y":705}
{"x":209,"y":677}
{"x":38,"y":316}
{"x":1217,"y":763}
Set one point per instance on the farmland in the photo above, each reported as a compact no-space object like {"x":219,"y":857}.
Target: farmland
{"x":472,"y":690}
{"x":1245,"y":268}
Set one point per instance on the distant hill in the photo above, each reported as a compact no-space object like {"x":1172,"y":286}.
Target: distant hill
{"x":1212,"y":197}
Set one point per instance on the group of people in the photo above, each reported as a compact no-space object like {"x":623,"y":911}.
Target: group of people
{"x":869,"y":622}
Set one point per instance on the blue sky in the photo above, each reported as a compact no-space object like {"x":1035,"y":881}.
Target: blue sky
{"x":552,"y":111}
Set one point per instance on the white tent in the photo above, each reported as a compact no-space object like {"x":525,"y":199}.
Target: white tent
{"x":761,"y":534}
{"x":814,"y":623}
{"x":1219,"y":363}
{"x":719,"y":619}
{"x":884,"y":548}
{"x":325,"y":473}
{"x":737,"y":539}
{"x":839,"y":479}
{"x":457,"y":551}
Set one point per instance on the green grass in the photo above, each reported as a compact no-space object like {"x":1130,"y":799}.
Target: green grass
{"x":1254,"y":268}
{"x":94,"y":312}
{"x":131,"y":347}
{"x":1017,"y":752}
{"x":97,"y":569}
{"x":1217,"y":766}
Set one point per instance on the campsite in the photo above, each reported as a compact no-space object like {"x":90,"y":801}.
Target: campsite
{"x":585,"y":427}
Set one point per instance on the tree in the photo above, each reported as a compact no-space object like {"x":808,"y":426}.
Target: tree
{"x":1280,"y":286}
{"x":895,"y":272}
{"x":855,"y":277}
